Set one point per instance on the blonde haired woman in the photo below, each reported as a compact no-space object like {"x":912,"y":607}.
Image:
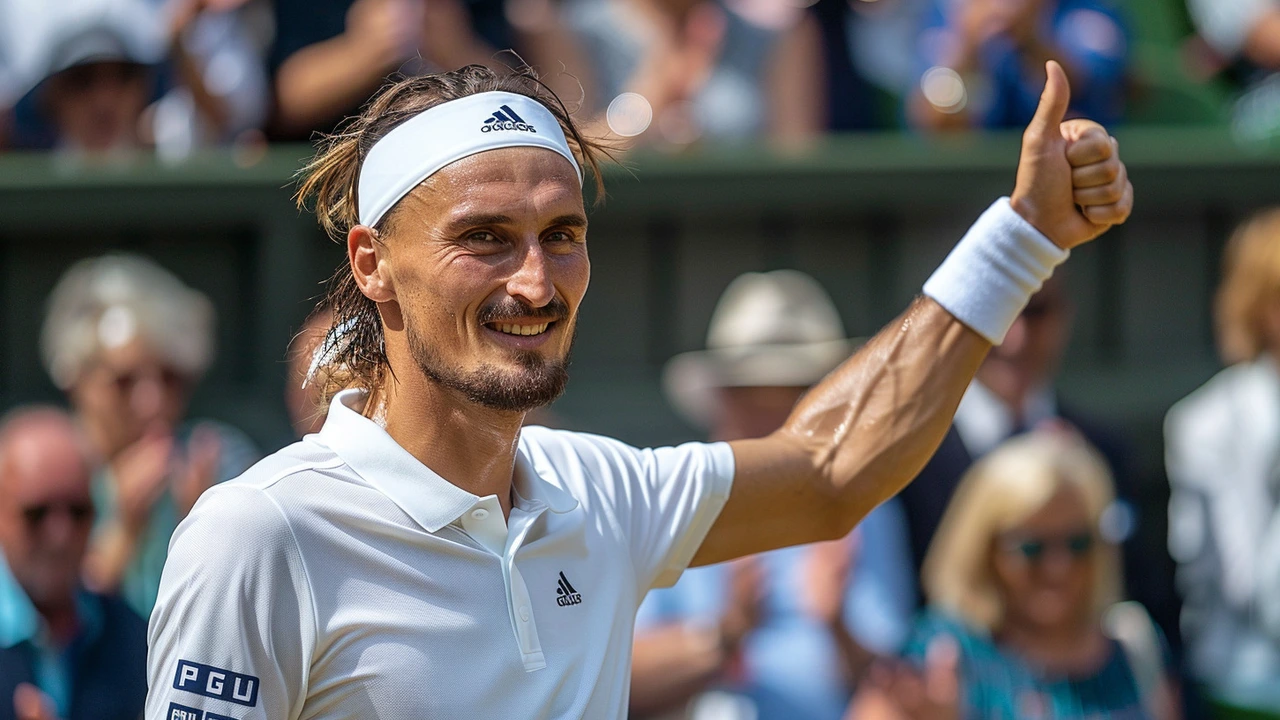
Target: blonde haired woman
{"x":1222,"y":451}
{"x":1021,"y":582}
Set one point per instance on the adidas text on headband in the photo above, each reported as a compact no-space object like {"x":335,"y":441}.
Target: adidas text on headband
{"x":419,"y":147}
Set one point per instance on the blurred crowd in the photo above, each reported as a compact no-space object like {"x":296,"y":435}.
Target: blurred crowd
{"x":1007,"y":581}
{"x":1010,"y":580}
{"x":100,"y":78}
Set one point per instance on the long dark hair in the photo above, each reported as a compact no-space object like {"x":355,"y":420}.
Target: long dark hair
{"x":353,"y":353}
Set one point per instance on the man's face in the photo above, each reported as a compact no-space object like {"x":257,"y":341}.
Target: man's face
{"x":46,"y":511}
{"x":753,"y":412}
{"x":488,"y":260}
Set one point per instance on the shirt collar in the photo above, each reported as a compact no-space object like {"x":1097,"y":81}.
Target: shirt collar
{"x":984,"y":420}
{"x":432,"y":501}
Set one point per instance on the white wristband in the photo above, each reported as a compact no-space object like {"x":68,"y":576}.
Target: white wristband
{"x":994,"y":270}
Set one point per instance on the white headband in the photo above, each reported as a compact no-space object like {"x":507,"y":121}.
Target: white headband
{"x":420,"y":146}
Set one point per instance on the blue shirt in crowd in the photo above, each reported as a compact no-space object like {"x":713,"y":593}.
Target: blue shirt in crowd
{"x":101,"y":674}
{"x":791,"y":666}
{"x":1088,"y":34}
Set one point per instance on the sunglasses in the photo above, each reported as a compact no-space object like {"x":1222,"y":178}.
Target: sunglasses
{"x":125,"y":382}
{"x":36,"y":515}
{"x":1034,"y":549}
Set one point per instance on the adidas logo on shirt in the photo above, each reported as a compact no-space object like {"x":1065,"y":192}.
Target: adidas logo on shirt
{"x":506,"y":119}
{"x":566,"y":595}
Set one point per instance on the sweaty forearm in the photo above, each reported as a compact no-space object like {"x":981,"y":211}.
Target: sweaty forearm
{"x":872,"y":424}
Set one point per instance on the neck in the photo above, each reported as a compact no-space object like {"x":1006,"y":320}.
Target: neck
{"x":62,"y":620}
{"x":1071,"y":647}
{"x":471,"y":446}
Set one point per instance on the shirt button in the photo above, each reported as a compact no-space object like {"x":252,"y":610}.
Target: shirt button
{"x":479,"y":513}
{"x":524,"y":613}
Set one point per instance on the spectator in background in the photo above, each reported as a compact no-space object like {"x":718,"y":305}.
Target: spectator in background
{"x":1222,"y":447}
{"x":104,"y":78}
{"x":1246,"y":30}
{"x":982,"y":61}
{"x":785,"y":634}
{"x":735,"y":71}
{"x":127,"y":342}
{"x":1013,"y":392}
{"x":1245,"y":34}
{"x":64,"y":652}
{"x":1022,"y":586}
{"x":330,"y":55}
{"x":303,"y":398}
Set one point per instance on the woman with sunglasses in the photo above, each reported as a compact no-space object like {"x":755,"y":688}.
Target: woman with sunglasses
{"x":128,"y":342}
{"x":1024,"y":620}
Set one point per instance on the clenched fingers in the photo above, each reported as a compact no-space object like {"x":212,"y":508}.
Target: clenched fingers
{"x":1104,"y":193}
{"x":1111,"y":213}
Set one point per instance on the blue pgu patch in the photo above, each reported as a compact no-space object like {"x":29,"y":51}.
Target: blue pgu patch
{"x":216,"y":683}
{"x":182,"y":712}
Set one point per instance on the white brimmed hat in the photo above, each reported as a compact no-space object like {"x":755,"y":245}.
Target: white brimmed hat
{"x":777,"y":328}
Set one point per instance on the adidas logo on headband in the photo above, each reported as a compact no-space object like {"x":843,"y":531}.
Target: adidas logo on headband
{"x":506,"y":119}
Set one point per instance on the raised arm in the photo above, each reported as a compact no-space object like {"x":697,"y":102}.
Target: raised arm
{"x":865,"y":431}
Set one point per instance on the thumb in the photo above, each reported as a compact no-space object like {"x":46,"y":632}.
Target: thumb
{"x":1053,"y":102}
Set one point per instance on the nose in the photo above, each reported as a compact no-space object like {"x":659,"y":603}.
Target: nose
{"x":531,"y":280}
{"x":147,"y":397}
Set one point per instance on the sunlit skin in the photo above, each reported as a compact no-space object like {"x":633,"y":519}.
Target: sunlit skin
{"x":45,"y":513}
{"x":1049,"y":613}
{"x":125,"y":392}
{"x":502,"y":225}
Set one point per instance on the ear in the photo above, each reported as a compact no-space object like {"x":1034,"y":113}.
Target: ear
{"x":370,"y":264}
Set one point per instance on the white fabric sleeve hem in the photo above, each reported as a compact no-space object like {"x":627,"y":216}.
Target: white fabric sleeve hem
{"x":715,"y":494}
{"x":993,"y":271}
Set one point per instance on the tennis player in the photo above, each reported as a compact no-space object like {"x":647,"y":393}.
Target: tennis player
{"x":423,"y":556}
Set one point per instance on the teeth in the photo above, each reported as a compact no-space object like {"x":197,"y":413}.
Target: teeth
{"x":522,"y":329}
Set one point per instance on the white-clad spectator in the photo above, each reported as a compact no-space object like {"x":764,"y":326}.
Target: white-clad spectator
{"x":1223,"y":457}
{"x":1247,"y":29}
{"x":127,"y":341}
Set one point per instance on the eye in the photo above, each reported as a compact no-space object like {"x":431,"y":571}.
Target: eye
{"x":483,"y":237}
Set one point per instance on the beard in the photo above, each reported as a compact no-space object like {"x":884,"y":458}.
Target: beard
{"x":534,"y":382}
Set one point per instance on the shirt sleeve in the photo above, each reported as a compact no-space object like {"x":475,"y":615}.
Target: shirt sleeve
{"x":664,"y":500}
{"x":233,"y":628}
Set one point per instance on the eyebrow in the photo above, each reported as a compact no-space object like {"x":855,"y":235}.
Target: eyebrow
{"x":573,"y":220}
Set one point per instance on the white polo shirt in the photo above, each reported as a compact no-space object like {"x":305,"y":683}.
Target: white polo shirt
{"x":341,"y":578}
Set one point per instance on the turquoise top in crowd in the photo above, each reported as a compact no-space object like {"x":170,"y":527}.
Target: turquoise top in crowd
{"x":996,"y":684}
{"x":141,"y":580}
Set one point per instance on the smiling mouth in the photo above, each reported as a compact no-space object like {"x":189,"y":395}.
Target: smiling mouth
{"x":520,"y":329}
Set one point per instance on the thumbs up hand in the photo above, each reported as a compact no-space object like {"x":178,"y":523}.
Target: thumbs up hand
{"x":1071,"y":184}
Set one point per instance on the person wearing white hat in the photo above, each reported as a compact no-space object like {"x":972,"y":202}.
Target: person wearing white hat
{"x":425,"y":555}
{"x":784,"y":634}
